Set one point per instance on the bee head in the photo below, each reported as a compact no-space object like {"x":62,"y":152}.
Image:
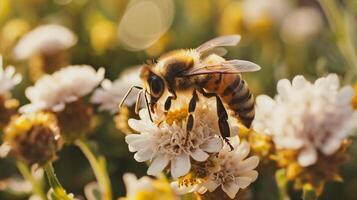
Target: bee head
{"x":154,"y":84}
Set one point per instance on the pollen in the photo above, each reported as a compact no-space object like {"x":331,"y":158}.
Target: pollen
{"x":177,"y":115}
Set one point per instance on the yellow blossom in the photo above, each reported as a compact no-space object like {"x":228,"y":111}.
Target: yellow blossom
{"x":103,"y":35}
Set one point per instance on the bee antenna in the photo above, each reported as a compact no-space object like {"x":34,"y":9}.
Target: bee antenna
{"x":147,"y":105}
{"x":127,"y":94}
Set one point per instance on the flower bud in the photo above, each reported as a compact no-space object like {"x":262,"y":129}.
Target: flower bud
{"x":34,"y":138}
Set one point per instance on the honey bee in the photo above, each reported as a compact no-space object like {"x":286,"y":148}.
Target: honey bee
{"x":201,"y":70}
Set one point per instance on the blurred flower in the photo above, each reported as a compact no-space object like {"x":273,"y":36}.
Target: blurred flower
{"x":103,"y":35}
{"x":11,"y":32}
{"x":16,"y":185}
{"x":301,"y":25}
{"x":233,"y":171}
{"x":261,"y":16}
{"x":167,"y":143}
{"x":34,"y":138}
{"x":45,"y":39}
{"x":45,"y":49}
{"x":8,"y":78}
{"x":53,"y":92}
{"x":306,"y":117}
{"x":5,"y":8}
{"x":61,"y":94}
{"x":147,"y":188}
{"x":8,"y":106}
{"x":231,"y":21}
{"x":111,"y":93}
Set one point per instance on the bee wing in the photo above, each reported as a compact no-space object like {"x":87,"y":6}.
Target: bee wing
{"x":225,"y":67}
{"x":220,"y":51}
{"x":223,"y":41}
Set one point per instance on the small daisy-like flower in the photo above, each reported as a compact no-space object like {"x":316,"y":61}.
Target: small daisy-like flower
{"x":53,"y":92}
{"x":61,"y":93}
{"x":229,"y":170}
{"x":8,"y":78}
{"x":147,"y":188}
{"x":308,"y":118}
{"x":111,"y":93}
{"x":167,"y":144}
{"x":236,"y":171}
{"x":45,"y":39}
{"x":33,"y":138}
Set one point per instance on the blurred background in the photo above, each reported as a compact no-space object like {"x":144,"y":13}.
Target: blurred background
{"x":285,"y":37}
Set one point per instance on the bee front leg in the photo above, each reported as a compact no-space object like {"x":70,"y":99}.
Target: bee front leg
{"x":222,"y":117}
{"x":190,"y":119}
{"x":169,"y":99}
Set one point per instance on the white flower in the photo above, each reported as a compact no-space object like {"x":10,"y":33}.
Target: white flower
{"x":233,"y":171}
{"x":307,"y":117}
{"x":146,"y":187}
{"x":8,"y":78}
{"x":52,"y":92}
{"x":301,"y":25}
{"x":166,"y":144}
{"x":255,"y":11}
{"x":133,"y":185}
{"x":111,"y":93}
{"x":236,"y":170}
{"x":45,"y":39}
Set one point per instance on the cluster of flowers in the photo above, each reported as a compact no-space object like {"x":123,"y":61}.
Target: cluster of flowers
{"x":306,"y":126}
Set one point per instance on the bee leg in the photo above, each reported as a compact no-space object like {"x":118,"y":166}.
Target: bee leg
{"x":222,"y":117}
{"x":191,"y":109}
{"x":169,"y":99}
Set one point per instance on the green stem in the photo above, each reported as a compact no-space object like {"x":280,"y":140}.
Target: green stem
{"x":342,"y":29}
{"x":99,"y":168}
{"x":309,"y":193}
{"x":282,"y":183}
{"x":58,"y":191}
{"x":37,"y":187}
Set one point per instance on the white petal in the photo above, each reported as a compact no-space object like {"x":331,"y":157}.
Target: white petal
{"x":243,"y":182}
{"x":211,"y":185}
{"x":307,"y":156}
{"x":249,"y":164}
{"x":331,"y":146}
{"x":157,"y":165}
{"x":180,"y":165}
{"x":242,"y":150}
{"x":59,"y":107}
{"x":230,"y":189}
{"x":141,"y":125}
{"x":251,"y":174}
{"x":284,"y":87}
{"x":144,"y":155}
{"x":199,"y":155}
{"x":212,"y":145}
{"x":137,"y":142}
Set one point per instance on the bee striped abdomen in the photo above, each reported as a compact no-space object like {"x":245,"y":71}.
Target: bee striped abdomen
{"x":235,"y":93}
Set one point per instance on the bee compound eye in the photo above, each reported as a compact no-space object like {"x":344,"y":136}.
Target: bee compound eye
{"x":156,"y":85}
